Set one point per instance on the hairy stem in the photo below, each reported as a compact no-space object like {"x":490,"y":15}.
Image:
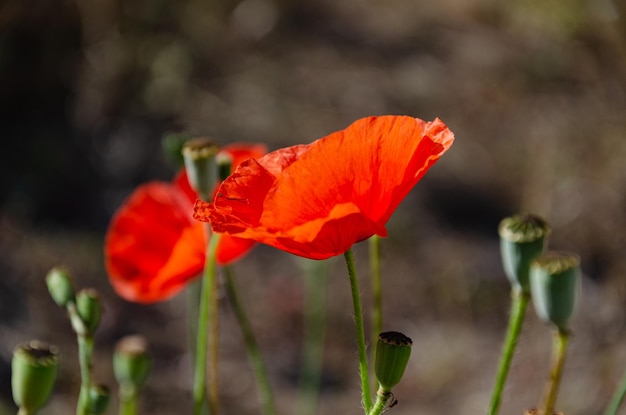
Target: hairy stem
{"x":360,"y":332}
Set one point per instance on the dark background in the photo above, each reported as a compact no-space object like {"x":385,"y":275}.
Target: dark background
{"x":534,"y":91}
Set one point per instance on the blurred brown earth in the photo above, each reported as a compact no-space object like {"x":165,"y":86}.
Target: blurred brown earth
{"x":534,"y":91}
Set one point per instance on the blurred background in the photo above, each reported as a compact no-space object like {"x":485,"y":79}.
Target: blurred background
{"x":535,"y":92}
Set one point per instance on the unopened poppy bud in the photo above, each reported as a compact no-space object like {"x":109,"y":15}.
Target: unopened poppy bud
{"x":522,"y":238}
{"x":60,"y":286}
{"x":224,"y":164}
{"x":199,"y":156}
{"x":99,"y":397}
{"x":553,"y":280}
{"x":34,"y":368}
{"x":131,"y":361}
{"x":392,"y":355}
{"x":89,"y":309}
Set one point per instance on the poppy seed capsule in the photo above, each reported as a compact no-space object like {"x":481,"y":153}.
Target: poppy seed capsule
{"x":131,"y":361}
{"x":202,"y":172}
{"x":392,"y":355}
{"x":522,"y":239}
{"x":60,"y":286}
{"x":34,"y":371}
{"x":554,"y":279}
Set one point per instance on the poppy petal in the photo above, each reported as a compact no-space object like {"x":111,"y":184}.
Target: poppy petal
{"x":152,"y":248}
{"x":317,"y":200}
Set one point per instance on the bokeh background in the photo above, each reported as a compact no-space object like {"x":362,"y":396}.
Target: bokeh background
{"x":534,"y":90}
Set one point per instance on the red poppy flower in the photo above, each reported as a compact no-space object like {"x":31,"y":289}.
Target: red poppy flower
{"x":153,"y":246}
{"x":317,"y":200}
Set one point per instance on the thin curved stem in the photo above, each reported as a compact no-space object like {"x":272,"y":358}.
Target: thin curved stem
{"x":360,"y":332}
{"x":617,"y":398}
{"x":254,"y":354}
{"x":516,"y":319}
{"x":207,"y":316}
{"x":559,"y":352}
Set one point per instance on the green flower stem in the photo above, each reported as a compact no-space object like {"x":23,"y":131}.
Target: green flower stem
{"x":129,"y":400}
{"x":85,"y":353}
{"x":207,"y":316}
{"x":617,"y":398}
{"x":382,"y":397}
{"x":264,"y":387}
{"x":519,"y":302}
{"x":360,"y":332}
{"x":377,"y":295}
{"x":316,"y":274}
{"x":24,"y":411}
{"x":559,"y":352}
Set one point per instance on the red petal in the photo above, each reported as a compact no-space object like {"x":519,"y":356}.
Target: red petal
{"x":153,"y":248}
{"x":318,"y":200}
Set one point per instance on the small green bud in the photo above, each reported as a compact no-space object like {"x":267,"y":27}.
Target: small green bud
{"x":131,"y":361}
{"x":392,"y":355}
{"x":522,"y":238}
{"x":89,"y":309}
{"x":34,"y":368}
{"x":202,"y":172}
{"x":60,"y":286}
{"x":99,"y":397}
{"x":554,"y":281}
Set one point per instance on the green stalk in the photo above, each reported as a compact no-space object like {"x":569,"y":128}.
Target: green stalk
{"x":128,"y":400}
{"x":85,"y":352}
{"x":382,"y":398}
{"x":516,"y":319}
{"x":264,"y":387}
{"x":316,"y":273}
{"x":559,"y":352}
{"x":377,"y":296}
{"x":360,"y":332}
{"x":207,"y":316}
{"x":617,"y":398}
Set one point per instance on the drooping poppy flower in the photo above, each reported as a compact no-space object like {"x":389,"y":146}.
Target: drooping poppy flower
{"x":317,"y":200}
{"x":153,"y":246}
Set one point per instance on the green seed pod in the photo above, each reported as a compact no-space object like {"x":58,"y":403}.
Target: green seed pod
{"x":392,"y":355}
{"x":60,"y":286}
{"x":224,"y":165}
{"x":554,"y":280}
{"x":522,"y":239}
{"x":89,"y":309}
{"x":202,"y":172}
{"x":99,"y":397}
{"x":131,"y":361}
{"x":34,"y":369}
